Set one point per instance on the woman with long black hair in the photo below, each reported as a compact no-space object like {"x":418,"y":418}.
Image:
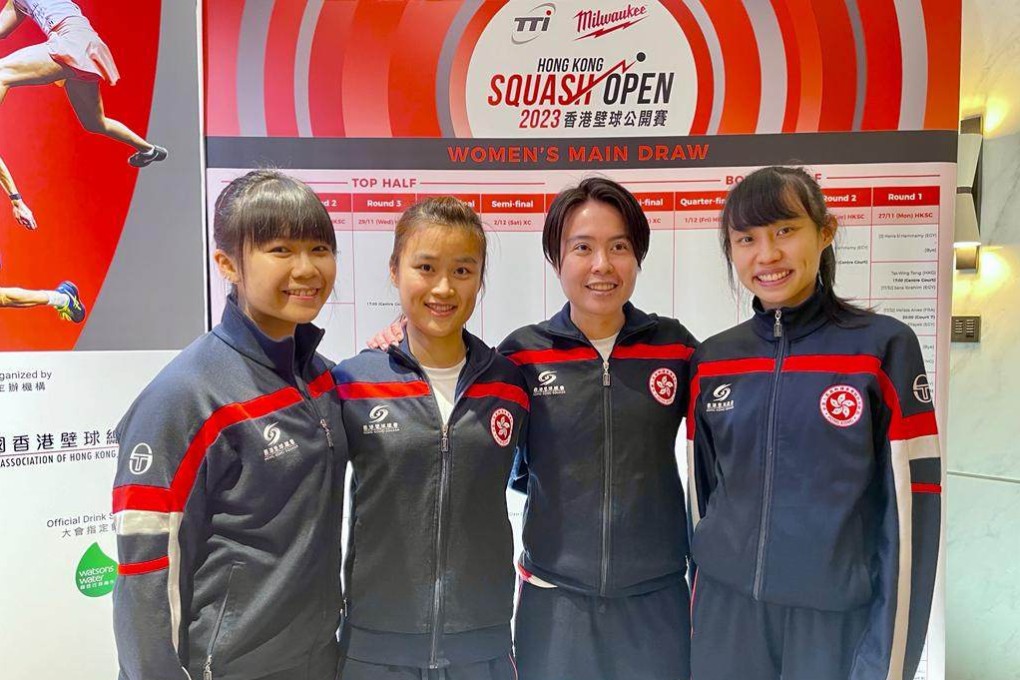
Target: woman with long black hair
{"x":814,"y":462}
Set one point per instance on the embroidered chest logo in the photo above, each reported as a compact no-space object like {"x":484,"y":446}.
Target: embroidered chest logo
{"x":922,"y":390}
{"x":841,"y":405}
{"x":502,"y":426}
{"x":278,"y":443}
{"x":140,"y":459}
{"x":547,"y":386}
{"x":662,"y":384}
{"x":377,"y":423}
{"x":720,"y":399}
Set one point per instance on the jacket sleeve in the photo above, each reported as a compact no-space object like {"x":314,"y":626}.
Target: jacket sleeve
{"x":519,"y":472}
{"x":701,"y":478}
{"x":910,"y":517}
{"x":159,"y":500}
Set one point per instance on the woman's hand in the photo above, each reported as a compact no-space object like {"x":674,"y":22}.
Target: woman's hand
{"x":391,"y":335}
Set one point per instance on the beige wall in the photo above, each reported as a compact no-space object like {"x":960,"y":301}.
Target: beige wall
{"x":983,"y":575}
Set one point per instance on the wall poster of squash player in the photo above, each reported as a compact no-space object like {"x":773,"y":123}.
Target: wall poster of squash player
{"x":69,"y":191}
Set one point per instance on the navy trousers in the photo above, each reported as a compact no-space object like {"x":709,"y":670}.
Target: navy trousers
{"x":562,"y":635}
{"x":736,"y":637}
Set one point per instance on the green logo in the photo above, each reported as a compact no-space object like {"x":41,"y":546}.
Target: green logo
{"x":96,"y":572}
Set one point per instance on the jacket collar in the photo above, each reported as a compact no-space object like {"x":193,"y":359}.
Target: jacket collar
{"x":796,"y":321}
{"x":289,"y":357}
{"x":479,"y":357}
{"x":634,"y":320}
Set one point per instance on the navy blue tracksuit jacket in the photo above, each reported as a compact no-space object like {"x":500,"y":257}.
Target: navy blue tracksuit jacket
{"x":816,"y":473}
{"x":430,"y":577}
{"x":227,"y":506}
{"x":605,"y":513}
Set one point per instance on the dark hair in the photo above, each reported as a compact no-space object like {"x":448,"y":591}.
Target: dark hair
{"x":604,"y":191}
{"x":445,"y":211}
{"x":264,"y":205}
{"x":775,"y":193}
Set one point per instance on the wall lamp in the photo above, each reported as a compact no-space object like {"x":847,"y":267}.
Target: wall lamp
{"x":966,"y":232}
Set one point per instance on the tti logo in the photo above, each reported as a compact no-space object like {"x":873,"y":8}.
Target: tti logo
{"x":529,"y":27}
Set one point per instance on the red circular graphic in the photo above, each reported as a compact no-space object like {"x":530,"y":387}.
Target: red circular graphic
{"x":502,"y":426}
{"x":841,"y":405}
{"x":663,"y":385}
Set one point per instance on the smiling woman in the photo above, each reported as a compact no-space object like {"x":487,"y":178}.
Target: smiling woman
{"x":275,"y":244}
{"x":438,"y":266}
{"x":206,"y":527}
{"x":778,"y":235}
{"x":432,"y":425}
{"x":814,"y":462}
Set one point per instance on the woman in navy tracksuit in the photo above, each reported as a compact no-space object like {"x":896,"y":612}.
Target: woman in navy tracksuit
{"x":603,"y":594}
{"x":432,"y":426}
{"x":229,"y":484}
{"x":812,"y":444}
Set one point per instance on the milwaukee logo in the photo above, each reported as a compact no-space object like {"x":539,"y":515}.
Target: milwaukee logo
{"x":593,"y":23}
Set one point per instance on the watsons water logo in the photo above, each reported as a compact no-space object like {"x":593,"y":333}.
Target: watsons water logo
{"x":96,"y":572}
{"x":594,"y":23}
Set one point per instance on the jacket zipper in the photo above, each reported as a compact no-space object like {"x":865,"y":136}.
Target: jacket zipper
{"x":770,"y":454}
{"x":441,"y":502}
{"x":607,"y":475}
{"x":323,"y":423}
{"x":607,"y":403}
{"x":329,"y":433}
{"x":207,"y":673}
{"x":437,"y":596}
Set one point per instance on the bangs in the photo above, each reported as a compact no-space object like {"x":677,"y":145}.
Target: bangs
{"x":764,"y":197}
{"x":283,"y":210}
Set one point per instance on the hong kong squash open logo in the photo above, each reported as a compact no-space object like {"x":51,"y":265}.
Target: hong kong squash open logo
{"x":662,"y":385}
{"x":841,"y":405}
{"x":501,"y":425}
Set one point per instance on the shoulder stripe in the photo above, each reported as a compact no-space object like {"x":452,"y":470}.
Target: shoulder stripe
{"x":926,"y":488}
{"x":737,"y":366}
{"x":911,"y":427}
{"x":553,"y":356}
{"x":142,"y":497}
{"x":836,"y":363}
{"x":646,"y":351}
{"x":321,"y":385}
{"x":900,"y":427}
{"x":500,"y":390}
{"x":383,"y":390}
{"x":176,"y":497}
{"x":135,"y":568}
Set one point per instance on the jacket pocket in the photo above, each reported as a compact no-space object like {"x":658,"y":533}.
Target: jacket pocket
{"x":207,"y":672}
